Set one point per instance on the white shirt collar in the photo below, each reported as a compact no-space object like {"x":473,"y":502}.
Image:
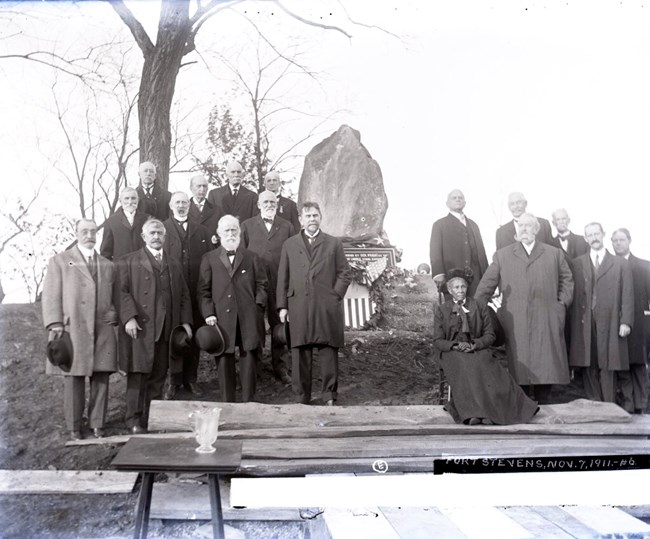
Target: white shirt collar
{"x":458,"y":215}
{"x":627,"y":256}
{"x":199,"y":203}
{"x":87,"y":253}
{"x":154,"y":252}
{"x":310,"y":235}
{"x":529,"y":248}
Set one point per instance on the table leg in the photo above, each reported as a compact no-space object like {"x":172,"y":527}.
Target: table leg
{"x":215,"y":505}
{"x":144,"y":506}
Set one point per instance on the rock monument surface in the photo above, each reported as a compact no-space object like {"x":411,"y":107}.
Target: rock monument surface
{"x":347,"y":183}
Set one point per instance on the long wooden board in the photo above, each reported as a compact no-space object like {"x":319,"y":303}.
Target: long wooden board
{"x":65,"y":482}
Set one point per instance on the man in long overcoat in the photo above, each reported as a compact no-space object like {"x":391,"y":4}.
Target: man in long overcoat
{"x":506,"y":234}
{"x":232,"y":293}
{"x":152,"y":199}
{"x":312,"y":280}
{"x":186,"y":241}
{"x":123,"y":229}
{"x":265,"y":235}
{"x":634,"y":384}
{"x":603,"y":314}
{"x":78,"y":299}
{"x":537,"y":286}
{"x":154,"y":299}
{"x":233,"y":198}
{"x":456,"y":243}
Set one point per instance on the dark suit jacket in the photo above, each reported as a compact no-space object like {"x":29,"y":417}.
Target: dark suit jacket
{"x":120,"y":238}
{"x":637,"y":339}
{"x":450,"y":248}
{"x":244,"y":206}
{"x":312,"y":286}
{"x":209,"y":217}
{"x":479,"y":321}
{"x":287,"y":209}
{"x":137,"y":292}
{"x":157,"y":205}
{"x":234,"y":295}
{"x":576,"y":245}
{"x":614,"y":292}
{"x":198,"y":244}
{"x":506,"y":233}
{"x":267,"y":244}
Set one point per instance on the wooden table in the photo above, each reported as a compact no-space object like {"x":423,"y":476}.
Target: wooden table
{"x":151,"y":456}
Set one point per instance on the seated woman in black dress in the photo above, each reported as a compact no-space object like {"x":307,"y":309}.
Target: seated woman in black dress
{"x":482,"y":391}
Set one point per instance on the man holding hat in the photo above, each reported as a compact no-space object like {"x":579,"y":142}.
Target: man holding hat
{"x":265,"y":234}
{"x":154,"y":299}
{"x":232,"y":292}
{"x":78,"y":311}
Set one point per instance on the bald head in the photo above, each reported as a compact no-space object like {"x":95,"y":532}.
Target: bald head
{"x":199,"y":187}
{"x":517,"y":204}
{"x":456,"y":200}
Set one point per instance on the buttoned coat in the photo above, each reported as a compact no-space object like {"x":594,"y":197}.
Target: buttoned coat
{"x":287,"y":209}
{"x":450,"y":248}
{"x":120,"y":237}
{"x":614,"y":292}
{"x":232,"y":293}
{"x":157,"y":205}
{"x":638,"y":337}
{"x":209,"y":217}
{"x":267,"y":243}
{"x":312,"y":287}
{"x":506,"y":234}
{"x":137,"y":293}
{"x":536,"y":292}
{"x":242,"y":207}
{"x":71,"y":297}
{"x":198,"y":244}
{"x":576,"y":245}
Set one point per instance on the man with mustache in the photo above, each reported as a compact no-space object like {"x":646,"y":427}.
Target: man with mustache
{"x":602,"y":317}
{"x":232,"y":292}
{"x":572,"y":244}
{"x":233,"y":198}
{"x":153,"y":199}
{"x":537,"y":286}
{"x":517,"y":205}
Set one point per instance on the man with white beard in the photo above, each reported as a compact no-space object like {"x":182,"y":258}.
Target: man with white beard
{"x":232,"y":292}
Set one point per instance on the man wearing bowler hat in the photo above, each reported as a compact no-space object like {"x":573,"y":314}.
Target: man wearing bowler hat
{"x":78,"y":300}
{"x":312,"y":280}
{"x":232,"y":294}
{"x":154,"y":299}
{"x":265,"y":235}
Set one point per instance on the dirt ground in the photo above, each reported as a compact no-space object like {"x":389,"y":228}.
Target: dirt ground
{"x":390,"y":365}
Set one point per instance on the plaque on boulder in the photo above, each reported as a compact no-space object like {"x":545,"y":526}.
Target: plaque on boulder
{"x":347,"y":183}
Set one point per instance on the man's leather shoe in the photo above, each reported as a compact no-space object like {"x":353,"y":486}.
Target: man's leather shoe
{"x":487,"y":421}
{"x":330,"y":402}
{"x":98,"y":432}
{"x":76,"y":435}
{"x":474,"y":421}
{"x":194,"y":388}
{"x":170,"y":392}
{"x":137,"y":429}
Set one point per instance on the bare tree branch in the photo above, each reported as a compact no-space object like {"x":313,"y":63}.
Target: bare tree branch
{"x":139,"y":33}
{"x":310,"y":23}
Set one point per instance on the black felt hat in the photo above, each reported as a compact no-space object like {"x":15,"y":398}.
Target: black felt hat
{"x":467,"y":274}
{"x":60,"y":353}
{"x":210,"y":339}
{"x":281,"y":334}
{"x":179,"y":342}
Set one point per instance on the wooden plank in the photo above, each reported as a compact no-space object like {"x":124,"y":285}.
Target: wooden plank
{"x":566,"y":522}
{"x":173,"y":415}
{"x":485,"y":523}
{"x":421,"y":523}
{"x":65,"y":482}
{"x":191,"y":501}
{"x":535,"y":523}
{"x":361,"y":523}
{"x":608,"y":520}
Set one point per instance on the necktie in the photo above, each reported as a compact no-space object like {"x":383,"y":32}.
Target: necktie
{"x":235,"y":191}
{"x":564,"y":238}
{"x":201,"y":207}
{"x":148,"y":192}
{"x":597,"y":263}
{"x":269,"y":221}
{"x":230,"y":253}
{"x":182,"y":224}
{"x":158,"y":257}
{"x":92,"y":267}
{"x":464,"y":323}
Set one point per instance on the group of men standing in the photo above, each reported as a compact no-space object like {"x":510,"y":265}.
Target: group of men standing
{"x":565,"y":301}
{"x":169,"y":265}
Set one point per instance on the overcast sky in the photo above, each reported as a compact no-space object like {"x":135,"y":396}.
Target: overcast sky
{"x":548,"y":98}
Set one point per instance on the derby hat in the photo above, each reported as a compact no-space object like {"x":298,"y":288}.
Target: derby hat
{"x":60,"y":353}
{"x":179,"y":342}
{"x":281,"y":334}
{"x":210,"y":339}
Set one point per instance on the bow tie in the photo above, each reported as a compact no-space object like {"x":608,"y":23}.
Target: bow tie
{"x":230,"y":253}
{"x":181,"y":223}
{"x":564,"y":238}
{"x":269,"y":221}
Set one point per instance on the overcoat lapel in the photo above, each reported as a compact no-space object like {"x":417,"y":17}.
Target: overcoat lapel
{"x":125,"y":221}
{"x":226,"y":261}
{"x":519,"y":251}
{"x":605,"y":265}
{"x":537,"y":251}
{"x":145,"y":262}
{"x":81,"y":264}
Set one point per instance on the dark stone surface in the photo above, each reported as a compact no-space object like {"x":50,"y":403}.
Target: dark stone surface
{"x":346,"y":182}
